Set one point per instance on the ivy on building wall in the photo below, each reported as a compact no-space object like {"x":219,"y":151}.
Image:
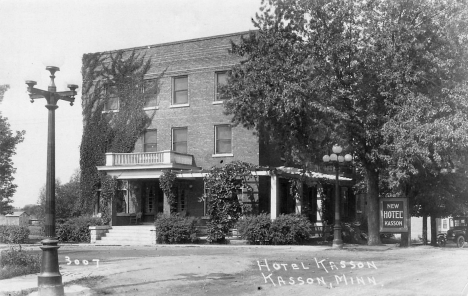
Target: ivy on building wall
{"x":115,"y":92}
{"x":224,"y":207}
{"x":166,"y":183}
{"x":109,"y":188}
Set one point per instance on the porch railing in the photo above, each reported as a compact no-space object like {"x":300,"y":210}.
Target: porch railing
{"x":148,"y":158}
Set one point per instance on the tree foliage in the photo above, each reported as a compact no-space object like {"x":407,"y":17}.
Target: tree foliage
{"x":67,"y":198}
{"x":8,"y":142}
{"x":318,"y":72}
{"x":107,"y":76}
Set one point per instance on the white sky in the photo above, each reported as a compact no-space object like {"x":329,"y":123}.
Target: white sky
{"x":32,"y":32}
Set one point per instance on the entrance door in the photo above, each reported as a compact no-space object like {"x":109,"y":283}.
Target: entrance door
{"x":151,"y":200}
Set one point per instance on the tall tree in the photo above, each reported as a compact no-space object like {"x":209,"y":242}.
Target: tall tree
{"x":339,"y":71}
{"x":67,"y":198}
{"x":8,"y":142}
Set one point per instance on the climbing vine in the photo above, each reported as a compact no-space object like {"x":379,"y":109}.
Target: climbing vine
{"x":109,"y":188}
{"x":166,"y":183}
{"x":109,"y":78}
{"x":224,"y":207}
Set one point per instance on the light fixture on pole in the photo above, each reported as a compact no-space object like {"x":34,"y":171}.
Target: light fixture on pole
{"x":337,"y":160}
{"x":50,"y":279}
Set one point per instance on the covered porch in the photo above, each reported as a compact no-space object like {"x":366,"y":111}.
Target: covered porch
{"x":140,"y":191}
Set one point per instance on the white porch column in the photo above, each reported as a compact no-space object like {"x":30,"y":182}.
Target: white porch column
{"x":298,"y":197}
{"x":274,"y":197}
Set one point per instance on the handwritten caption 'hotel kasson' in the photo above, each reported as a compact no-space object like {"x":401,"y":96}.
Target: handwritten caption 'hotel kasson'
{"x":267,"y":269}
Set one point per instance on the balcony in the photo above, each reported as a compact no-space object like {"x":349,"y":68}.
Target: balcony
{"x":148,"y":158}
{"x":146,"y":164}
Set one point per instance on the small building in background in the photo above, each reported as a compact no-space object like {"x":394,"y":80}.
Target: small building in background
{"x":17,"y":218}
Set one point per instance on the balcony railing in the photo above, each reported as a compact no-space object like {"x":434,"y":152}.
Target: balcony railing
{"x":148,"y":158}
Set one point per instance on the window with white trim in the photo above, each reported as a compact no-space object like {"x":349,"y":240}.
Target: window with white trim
{"x":179,"y":139}
{"x":221,"y":80}
{"x":223,"y":139}
{"x":180,"y":90}
{"x":150,"y":141}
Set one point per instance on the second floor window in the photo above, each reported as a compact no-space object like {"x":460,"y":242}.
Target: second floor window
{"x":150,"y":141}
{"x":179,"y":140}
{"x":180,"y":90}
{"x":223,"y":139}
{"x":221,"y":80}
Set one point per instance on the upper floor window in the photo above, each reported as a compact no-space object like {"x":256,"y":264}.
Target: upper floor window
{"x":180,"y":90}
{"x":223,"y":139}
{"x":179,"y":139}
{"x":221,"y":80}
{"x":150,"y":141}
{"x":149,"y":88}
{"x":112,"y":98}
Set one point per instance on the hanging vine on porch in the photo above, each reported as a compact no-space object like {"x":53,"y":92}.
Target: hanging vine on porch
{"x":109,"y":131}
{"x":109,"y":187}
{"x":166,"y":183}
{"x":224,"y":207}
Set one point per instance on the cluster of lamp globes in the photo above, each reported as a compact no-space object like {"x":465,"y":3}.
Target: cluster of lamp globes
{"x":335,"y":157}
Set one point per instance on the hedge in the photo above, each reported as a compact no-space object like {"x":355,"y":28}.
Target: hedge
{"x":77,"y":229}
{"x":284,"y":230}
{"x":175,"y":229}
{"x":13,"y":234}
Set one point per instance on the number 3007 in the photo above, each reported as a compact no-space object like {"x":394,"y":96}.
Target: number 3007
{"x":78,"y":262}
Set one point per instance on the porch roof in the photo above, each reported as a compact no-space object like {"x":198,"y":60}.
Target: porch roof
{"x":155,"y":172}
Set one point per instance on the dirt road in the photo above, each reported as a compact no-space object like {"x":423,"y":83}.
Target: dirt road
{"x":269,"y":270}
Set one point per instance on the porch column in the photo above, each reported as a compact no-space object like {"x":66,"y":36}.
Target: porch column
{"x":166,"y":206}
{"x":274,"y":197}
{"x":299,"y":197}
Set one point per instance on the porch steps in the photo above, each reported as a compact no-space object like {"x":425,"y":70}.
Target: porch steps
{"x":129,"y":235}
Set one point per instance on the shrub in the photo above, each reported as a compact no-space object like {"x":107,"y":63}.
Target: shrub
{"x":175,"y":229}
{"x":16,"y":262}
{"x":284,"y":230}
{"x":14,"y":234}
{"x":255,"y":229}
{"x":77,"y":229}
{"x":290,"y":229}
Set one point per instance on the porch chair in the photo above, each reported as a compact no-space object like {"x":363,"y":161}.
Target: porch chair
{"x":136,"y":218}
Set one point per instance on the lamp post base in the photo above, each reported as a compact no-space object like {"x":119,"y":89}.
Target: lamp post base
{"x":50,"y":279}
{"x":51,"y":290}
{"x":337,"y":244}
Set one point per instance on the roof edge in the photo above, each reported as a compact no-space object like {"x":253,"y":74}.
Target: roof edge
{"x":175,"y":42}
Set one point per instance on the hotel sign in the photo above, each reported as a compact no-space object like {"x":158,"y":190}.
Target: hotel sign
{"x":394,"y":215}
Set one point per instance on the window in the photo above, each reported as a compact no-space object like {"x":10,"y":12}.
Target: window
{"x":221,"y":80}
{"x":150,"y":91}
{"x":150,"y":141}
{"x":112,"y":98}
{"x":179,"y":140}
{"x":149,"y":196}
{"x":223,"y":139}
{"x":180,"y":203}
{"x":180,"y":90}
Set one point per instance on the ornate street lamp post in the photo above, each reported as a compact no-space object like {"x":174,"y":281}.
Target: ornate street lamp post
{"x":337,"y":160}
{"x":50,"y":279}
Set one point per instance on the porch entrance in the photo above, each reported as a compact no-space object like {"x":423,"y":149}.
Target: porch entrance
{"x":152,"y":200}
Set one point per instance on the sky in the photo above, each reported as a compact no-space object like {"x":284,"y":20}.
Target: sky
{"x":36,"y":33}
